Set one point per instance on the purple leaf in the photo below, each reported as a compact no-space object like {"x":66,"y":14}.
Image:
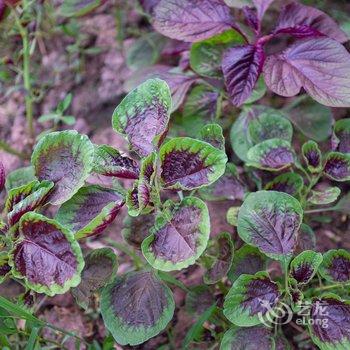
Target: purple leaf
{"x":90,"y":210}
{"x":198,"y":299}
{"x":192,"y":20}
{"x":109,"y":162}
{"x":149,"y":5}
{"x":300,"y":20}
{"x":341,"y":136}
{"x":270,"y":221}
{"x":306,"y":239}
{"x":179,"y":236}
{"x":242,"y":66}
{"x":251,"y":18}
{"x":319,"y":65}
{"x":290,"y":183}
{"x":337,"y":166}
{"x":312,"y":156}
{"x":46,"y":255}
{"x":330,"y":323}
{"x":336,"y":266}
{"x":261,"y":7}
{"x":250,"y":297}
{"x":2,"y":176}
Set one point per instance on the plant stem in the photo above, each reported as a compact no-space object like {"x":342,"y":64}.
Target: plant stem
{"x":7,"y":148}
{"x":331,"y":286}
{"x":319,"y":210}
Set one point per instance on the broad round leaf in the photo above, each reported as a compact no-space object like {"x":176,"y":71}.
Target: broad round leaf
{"x":336,"y":266}
{"x":329,"y":324}
{"x":327,"y":196}
{"x":143,"y":116}
{"x":109,"y":162}
{"x":100,"y":268}
{"x":272,"y":154}
{"x":26,"y":198}
{"x":223,"y":261}
{"x":250,"y":297}
{"x":206,"y":55}
{"x":319,"y":65}
{"x":228,"y":186}
{"x":290,"y":183}
{"x":341,"y":136}
{"x":304,"y":266}
{"x":66,"y":159}
{"x":270,"y":220}
{"x":179,"y":236}
{"x":258,"y":337}
{"x":247,"y":260}
{"x":46,"y":255}
{"x":90,"y":210}
{"x":136,"y":307}
{"x":191,"y":20}
{"x":212,"y":133}
{"x":312,"y":156}
{"x":188,"y":163}
{"x":337,"y":166}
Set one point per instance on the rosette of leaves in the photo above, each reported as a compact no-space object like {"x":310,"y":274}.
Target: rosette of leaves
{"x":270,"y":221}
{"x":136,"y":307}
{"x":179,"y":236}
{"x":250,"y":298}
{"x":45,"y":245}
{"x":257,"y":124}
{"x":66,"y":159}
{"x":336,"y":266}
{"x":219,"y":258}
{"x":90,"y":210}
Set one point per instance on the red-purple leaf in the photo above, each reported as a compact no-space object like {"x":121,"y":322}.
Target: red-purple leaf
{"x":336,"y":266}
{"x":109,"y":162}
{"x":337,"y":166}
{"x":192,"y":20}
{"x":319,"y":65}
{"x":2,"y":176}
{"x":46,"y":255}
{"x":301,"y":21}
{"x":90,"y":210}
{"x":330,"y":323}
{"x":242,"y":66}
{"x":261,"y":7}
{"x":341,"y":136}
{"x":251,"y":18}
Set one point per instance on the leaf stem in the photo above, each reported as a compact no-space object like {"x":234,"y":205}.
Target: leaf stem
{"x":331,"y":286}
{"x":7,"y":148}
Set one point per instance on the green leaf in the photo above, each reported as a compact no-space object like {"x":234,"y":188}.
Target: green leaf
{"x":270,"y":221}
{"x":272,"y":154}
{"x":100,"y":268}
{"x":336,"y":266}
{"x":314,"y":120}
{"x":46,"y":255}
{"x":304,"y":266}
{"x":223,"y":250}
{"x":66,"y":159}
{"x":143,"y":116}
{"x":232,"y":216}
{"x":48,"y":117}
{"x":247,"y":260}
{"x":5,"y":268}
{"x":212,"y":133}
{"x":341,"y":136}
{"x":200,"y":108}
{"x":206,"y":55}
{"x":188,"y":164}
{"x":250,"y":298}
{"x":68,"y":119}
{"x":90,"y":210}
{"x":19,"y":177}
{"x":312,"y":156}
{"x":145,"y":51}
{"x":65,"y":103}
{"x":179,"y":236}
{"x":258,"y":92}
{"x":136,"y":307}
{"x":291,"y":183}
{"x":77,"y":8}
{"x":327,"y":196}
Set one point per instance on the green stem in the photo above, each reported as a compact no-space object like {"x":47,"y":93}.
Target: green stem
{"x":319,"y":210}
{"x":331,"y":286}
{"x":218,"y":107}
{"x":7,"y":148}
